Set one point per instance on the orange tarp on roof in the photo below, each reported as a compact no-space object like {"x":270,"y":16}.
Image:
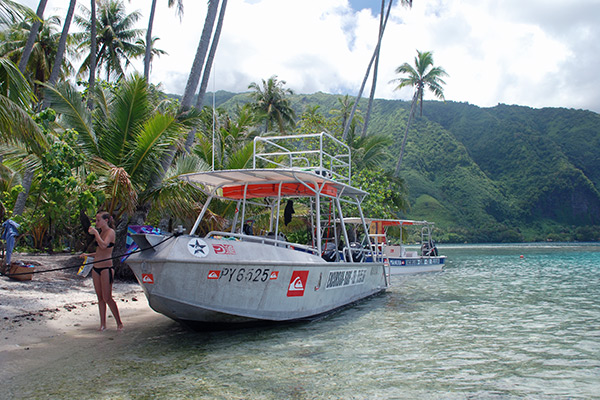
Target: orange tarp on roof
{"x":395,"y":223}
{"x":272,"y":189}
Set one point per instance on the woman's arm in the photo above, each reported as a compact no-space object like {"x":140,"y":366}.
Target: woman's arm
{"x":103,"y":243}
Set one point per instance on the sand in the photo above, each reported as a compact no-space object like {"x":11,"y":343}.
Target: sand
{"x":57,"y":313}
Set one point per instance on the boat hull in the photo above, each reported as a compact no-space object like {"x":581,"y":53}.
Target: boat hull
{"x":220,"y":281}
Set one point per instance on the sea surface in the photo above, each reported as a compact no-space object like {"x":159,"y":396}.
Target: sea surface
{"x":500,"y":322}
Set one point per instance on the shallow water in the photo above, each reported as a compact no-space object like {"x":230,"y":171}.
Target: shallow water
{"x":493,"y":325}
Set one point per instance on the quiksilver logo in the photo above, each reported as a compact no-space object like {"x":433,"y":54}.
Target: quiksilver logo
{"x":297,"y":284}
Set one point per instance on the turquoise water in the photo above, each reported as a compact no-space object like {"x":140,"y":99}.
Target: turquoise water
{"x":493,"y":325}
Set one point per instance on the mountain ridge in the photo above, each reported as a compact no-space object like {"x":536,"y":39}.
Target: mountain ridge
{"x":495,"y":174}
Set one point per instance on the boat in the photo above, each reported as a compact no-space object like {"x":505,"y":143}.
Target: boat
{"x":240,"y":276}
{"x":398,"y":258}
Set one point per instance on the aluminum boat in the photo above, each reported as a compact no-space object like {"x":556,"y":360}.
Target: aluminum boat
{"x":240,"y":275}
{"x":398,"y":258}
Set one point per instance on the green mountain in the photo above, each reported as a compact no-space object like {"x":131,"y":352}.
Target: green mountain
{"x":500,"y":174}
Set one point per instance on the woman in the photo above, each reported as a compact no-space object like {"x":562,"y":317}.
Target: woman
{"x":103,"y":271}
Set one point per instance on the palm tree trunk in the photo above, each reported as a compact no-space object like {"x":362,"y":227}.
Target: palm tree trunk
{"x":22,"y":197}
{"x":410,"y":117}
{"x":148,"y":54}
{"x":62,"y":44}
{"x":190,"y":88}
{"x":211,"y":55}
{"x":206,"y":74}
{"x":32,"y":36}
{"x":362,"y":87}
{"x":92,"y":80}
{"x":374,"y":84}
{"x":194,"y":78}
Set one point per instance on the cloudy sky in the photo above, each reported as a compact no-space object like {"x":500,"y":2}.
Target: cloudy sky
{"x":538,"y":53}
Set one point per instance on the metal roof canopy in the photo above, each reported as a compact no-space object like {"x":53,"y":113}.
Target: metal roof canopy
{"x":211,"y":181}
{"x":387,"y":222}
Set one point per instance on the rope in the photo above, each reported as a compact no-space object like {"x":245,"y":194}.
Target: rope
{"x":93,"y":262}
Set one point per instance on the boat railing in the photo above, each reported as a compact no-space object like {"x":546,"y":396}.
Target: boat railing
{"x":260,"y":239}
{"x":319,"y":152}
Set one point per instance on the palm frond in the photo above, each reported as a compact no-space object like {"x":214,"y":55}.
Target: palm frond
{"x":18,"y":158}
{"x":12,"y":11}
{"x":241,"y":158}
{"x":175,"y":196}
{"x":373,"y":151}
{"x":130,"y":110}
{"x":16,"y":125}
{"x":69,"y":103}
{"x":14,"y":85}
{"x":102,"y":100}
{"x":153,"y":140}
{"x":115,"y":182}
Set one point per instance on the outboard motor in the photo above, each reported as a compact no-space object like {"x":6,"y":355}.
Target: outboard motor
{"x":280,"y":236}
{"x":429,"y":249}
{"x":357,"y":252}
{"x":247,"y":228}
{"x":433,"y":252}
{"x":330,"y":252}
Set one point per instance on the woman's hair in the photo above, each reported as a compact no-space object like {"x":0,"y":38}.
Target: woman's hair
{"x":109,"y":219}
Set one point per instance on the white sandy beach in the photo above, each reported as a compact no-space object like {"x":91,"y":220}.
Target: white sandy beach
{"x":56,"y":314}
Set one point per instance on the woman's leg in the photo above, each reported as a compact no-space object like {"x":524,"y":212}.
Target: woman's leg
{"x":107,"y":295}
{"x":97,"y":279}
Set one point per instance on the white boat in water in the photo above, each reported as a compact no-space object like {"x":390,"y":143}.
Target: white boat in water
{"x":241,"y":276}
{"x":397,"y":257}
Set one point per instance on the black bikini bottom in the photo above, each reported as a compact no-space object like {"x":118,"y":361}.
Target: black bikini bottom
{"x":99,"y":272}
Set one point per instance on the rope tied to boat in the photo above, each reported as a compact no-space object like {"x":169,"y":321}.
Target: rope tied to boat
{"x":92,"y":262}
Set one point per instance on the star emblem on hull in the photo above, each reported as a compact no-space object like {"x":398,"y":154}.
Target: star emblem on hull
{"x":198,"y":248}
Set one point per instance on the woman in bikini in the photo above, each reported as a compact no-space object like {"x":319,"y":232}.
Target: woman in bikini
{"x":103,"y":271}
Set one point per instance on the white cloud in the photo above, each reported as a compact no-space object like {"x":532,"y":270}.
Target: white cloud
{"x":536,"y":53}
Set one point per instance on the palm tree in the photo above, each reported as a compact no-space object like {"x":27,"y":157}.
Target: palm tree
{"x":32,"y":35}
{"x":93,"y":50}
{"x":369,"y":152}
{"x":373,"y":57}
{"x":116,"y":37}
{"x":43,"y":52}
{"x":126,"y":137}
{"x":17,"y":128}
{"x":211,"y":55}
{"x":194,"y":77}
{"x":231,"y":147}
{"x":16,"y":98}
{"x":190,"y":88}
{"x":149,"y":40}
{"x":423,"y":76}
{"x":155,"y":52}
{"x":376,"y":67}
{"x":207,"y":69}
{"x":342,"y":114}
{"x":62,"y":44}
{"x":312,"y":120}
{"x":271,"y":104}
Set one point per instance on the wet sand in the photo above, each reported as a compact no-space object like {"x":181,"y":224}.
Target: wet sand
{"x":55,"y":316}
